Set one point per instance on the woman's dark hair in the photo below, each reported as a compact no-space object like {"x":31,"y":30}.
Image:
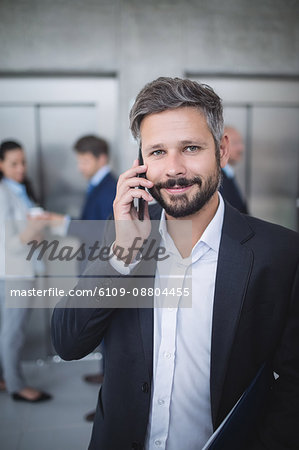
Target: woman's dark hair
{"x":7,"y":146}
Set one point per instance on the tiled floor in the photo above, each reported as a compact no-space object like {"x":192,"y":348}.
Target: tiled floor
{"x":57,"y":424}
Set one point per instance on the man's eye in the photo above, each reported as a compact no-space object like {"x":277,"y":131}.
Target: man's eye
{"x":158,"y":152}
{"x":192,"y":148}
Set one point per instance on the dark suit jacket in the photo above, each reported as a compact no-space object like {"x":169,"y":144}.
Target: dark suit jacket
{"x":98,"y":203}
{"x":231,"y":192}
{"x":255,"y":321}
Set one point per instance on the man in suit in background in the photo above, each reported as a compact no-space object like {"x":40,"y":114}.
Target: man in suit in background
{"x":174,"y":372}
{"x":229,"y":188}
{"x":92,"y":158}
{"x":92,"y":154}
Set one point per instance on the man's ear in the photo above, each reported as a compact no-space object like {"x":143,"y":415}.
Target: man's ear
{"x":224,"y":150}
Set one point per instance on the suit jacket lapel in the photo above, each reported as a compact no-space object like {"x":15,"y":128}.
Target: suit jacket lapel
{"x":234,"y":267}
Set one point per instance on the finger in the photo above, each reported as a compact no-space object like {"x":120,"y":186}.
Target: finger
{"x":132,"y":172}
{"x":128,"y":198}
{"x":132,"y":183}
{"x":136,"y":193}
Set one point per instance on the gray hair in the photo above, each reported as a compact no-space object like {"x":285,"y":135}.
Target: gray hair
{"x":170,"y":93}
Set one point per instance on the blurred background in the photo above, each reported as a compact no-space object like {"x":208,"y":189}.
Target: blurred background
{"x":73,"y":67}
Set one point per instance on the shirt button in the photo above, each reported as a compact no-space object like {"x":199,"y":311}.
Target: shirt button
{"x":145,"y":388}
{"x":167,"y":355}
{"x":158,"y":443}
{"x":161,"y":401}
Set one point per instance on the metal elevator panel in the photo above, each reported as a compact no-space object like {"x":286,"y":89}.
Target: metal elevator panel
{"x":60,"y":126}
{"x":275,"y":162}
{"x":18,"y":123}
{"x":48,"y":134}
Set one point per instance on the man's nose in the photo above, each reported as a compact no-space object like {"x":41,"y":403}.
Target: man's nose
{"x":175,"y":165}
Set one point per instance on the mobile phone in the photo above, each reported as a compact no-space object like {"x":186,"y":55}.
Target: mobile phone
{"x":140,"y":207}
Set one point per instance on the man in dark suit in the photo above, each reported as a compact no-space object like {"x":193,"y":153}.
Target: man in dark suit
{"x":229,"y":188}
{"x":173,"y":372}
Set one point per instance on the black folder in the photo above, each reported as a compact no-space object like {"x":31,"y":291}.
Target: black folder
{"x":238,"y":427}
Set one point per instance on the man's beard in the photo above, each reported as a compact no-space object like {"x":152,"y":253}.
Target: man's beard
{"x":180,"y":205}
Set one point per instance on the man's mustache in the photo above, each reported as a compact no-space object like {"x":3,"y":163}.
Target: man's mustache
{"x":178,"y":182}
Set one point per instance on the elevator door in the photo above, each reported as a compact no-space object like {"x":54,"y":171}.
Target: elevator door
{"x":60,"y":127}
{"x":274,"y":164}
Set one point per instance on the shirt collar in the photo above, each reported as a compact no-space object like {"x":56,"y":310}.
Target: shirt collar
{"x":229,"y":171}
{"x":99,"y":175}
{"x":166,"y":236}
{"x":17,"y":188}
{"x":212,"y":234}
{"x":210,"y":237}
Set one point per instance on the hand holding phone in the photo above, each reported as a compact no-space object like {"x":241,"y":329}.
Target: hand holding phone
{"x":128,"y":226}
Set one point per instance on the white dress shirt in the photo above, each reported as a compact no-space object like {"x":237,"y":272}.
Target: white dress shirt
{"x":180,"y":413}
{"x":229,"y":171}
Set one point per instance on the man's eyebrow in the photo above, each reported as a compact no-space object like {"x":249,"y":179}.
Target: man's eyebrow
{"x":185,"y":142}
{"x":193,"y":142}
{"x":154,"y":147}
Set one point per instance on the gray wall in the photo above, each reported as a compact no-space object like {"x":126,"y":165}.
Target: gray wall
{"x":140,"y":41}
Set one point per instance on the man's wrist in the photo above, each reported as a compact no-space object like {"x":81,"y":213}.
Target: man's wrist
{"x":128,"y":253}
{"x":120,"y":263}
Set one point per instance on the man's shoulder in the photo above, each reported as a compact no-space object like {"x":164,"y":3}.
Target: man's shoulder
{"x":107,"y":184}
{"x":274,"y":241}
{"x":109,"y":179}
{"x":259,"y":234}
{"x":271,"y":229}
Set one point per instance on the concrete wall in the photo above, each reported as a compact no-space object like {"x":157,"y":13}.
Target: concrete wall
{"x":141,"y":41}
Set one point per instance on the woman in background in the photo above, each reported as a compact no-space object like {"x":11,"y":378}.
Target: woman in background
{"x":16,"y":200}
